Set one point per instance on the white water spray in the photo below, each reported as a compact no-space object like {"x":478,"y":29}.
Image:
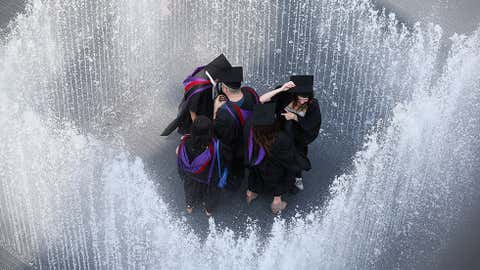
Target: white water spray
{"x":80,"y":80}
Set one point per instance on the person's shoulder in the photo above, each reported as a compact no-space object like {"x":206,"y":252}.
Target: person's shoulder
{"x":223,"y":115}
{"x":222,"y":112}
{"x":201,"y":74}
{"x":249,"y":91}
{"x":314,"y":104}
{"x":203,"y":95}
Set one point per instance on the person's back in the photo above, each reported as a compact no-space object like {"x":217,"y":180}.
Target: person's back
{"x":201,"y":103}
{"x":270,"y":156}
{"x":199,"y":89}
{"x":278,"y":167}
{"x":195,"y":160}
{"x":230,"y":118}
{"x":199,"y":157}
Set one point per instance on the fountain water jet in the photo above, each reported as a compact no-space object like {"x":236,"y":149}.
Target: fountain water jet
{"x":82,"y":81}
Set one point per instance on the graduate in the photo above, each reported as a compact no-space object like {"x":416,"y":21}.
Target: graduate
{"x":232,"y":109}
{"x":200,"y":91}
{"x":200,"y":165}
{"x":301,"y":116}
{"x":270,"y":156}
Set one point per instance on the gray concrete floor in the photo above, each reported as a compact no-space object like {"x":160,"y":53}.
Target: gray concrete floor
{"x":454,"y":16}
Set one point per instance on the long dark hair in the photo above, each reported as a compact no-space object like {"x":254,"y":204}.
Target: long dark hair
{"x":265,"y":136}
{"x":202,"y":132}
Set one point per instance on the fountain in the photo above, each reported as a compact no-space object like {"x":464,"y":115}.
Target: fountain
{"x":87,"y":183}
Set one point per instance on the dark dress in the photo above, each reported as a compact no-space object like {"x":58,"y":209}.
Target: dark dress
{"x":275,"y":172}
{"x":202,"y":187}
{"x":229,"y":130}
{"x":306,"y":130}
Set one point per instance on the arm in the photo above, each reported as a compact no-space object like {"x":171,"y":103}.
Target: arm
{"x":290,"y":116}
{"x":311,"y":120}
{"x":219,"y":101}
{"x":268,"y":96}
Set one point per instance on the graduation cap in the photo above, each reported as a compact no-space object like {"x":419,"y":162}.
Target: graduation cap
{"x":232,"y":77}
{"x":303,"y":85}
{"x":218,"y":65}
{"x":264,"y":114}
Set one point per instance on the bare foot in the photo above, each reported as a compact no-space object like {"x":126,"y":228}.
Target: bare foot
{"x":278,"y":207}
{"x":189,"y":209}
{"x":209,"y":214}
{"x":251,"y":196}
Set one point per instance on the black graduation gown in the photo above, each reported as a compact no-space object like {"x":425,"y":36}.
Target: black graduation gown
{"x":304,"y":131}
{"x":199,"y":102}
{"x":275,"y":174}
{"x":196,"y":192}
{"x":202,"y":103}
{"x":230,"y":132}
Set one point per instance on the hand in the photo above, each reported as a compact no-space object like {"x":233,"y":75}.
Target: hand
{"x":219,"y":101}
{"x":290,"y":116}
{"x":288,"y":85}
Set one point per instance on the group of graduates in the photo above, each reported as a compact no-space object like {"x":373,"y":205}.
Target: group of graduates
{"x":228,"y":128}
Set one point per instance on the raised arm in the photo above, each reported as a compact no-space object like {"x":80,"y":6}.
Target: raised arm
{"x":268,"y":96}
